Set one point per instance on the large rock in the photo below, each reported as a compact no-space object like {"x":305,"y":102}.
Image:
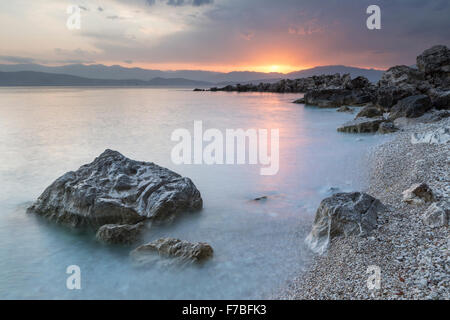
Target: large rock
{"x":178,"y":250}
{"x":438,"y":136}
{"x":119,"y":233}
{"x":435,"y":63}
{"x":345,"y":214}
{"x":369,"y":111}
{"x":387,"y":127}
{"x":437,"y":215}
{"x":411,"y":107}
{"x":116,"y":190}
{"x":388,"y":96}
{"x":362,"y":125}
{"x":440,"y":99}
{"x":418,"y":193}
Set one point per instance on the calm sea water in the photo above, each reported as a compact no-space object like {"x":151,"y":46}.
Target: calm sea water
{"x":45,"y":132}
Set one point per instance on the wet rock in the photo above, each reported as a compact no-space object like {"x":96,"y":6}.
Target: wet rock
{"x":437,"y":215}
{"x":345,"y":214}
{"x":361,"y":125}
{"x":178,"y":250}
{"x":260,"y":198}
{"x":301,"y":100}
{"x":116,"y":190}
{"x":439,"y":136}
{"x":345,"y":109}
{"x":369,"y":111}
{"x":119,"y":233}
{"x":411,"y":107}
{"x":387,"y":127}
{"x":418,"y":193}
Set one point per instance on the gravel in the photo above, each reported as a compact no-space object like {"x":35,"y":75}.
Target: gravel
{"x":412,"y":257}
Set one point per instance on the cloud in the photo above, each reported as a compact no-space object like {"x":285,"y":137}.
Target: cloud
{"x":13,"y":59}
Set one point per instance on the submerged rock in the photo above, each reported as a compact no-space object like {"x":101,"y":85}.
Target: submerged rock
{"x":119,"y":233}
{"x":116,"y":190}
{"x":179,"y":250}
{"x":418,"y":193}
{"x":345,"y":214}
{"x":361,"y":125}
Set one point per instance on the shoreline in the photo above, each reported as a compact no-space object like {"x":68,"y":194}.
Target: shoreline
{"x":412,"y":256}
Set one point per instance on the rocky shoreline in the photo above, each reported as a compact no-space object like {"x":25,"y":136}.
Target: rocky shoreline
{"x":410,"y":243}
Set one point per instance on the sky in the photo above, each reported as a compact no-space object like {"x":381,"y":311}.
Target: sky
{"x":221,"y":35}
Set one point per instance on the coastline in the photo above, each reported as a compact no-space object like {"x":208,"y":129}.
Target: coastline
{"x":412,"y":256}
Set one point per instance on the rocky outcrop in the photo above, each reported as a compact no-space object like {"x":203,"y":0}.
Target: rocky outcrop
{"x":116,"y":190}
{"x":345,"y":214}
{"x":362,"y":125}
{"x":369,"y":111}
{"x":418,"y":193}
{"x":440,"y":99}
{"x":411,"y":107}
{"x":178,"y":250}
{"x":119,"y":233}
{"x":437,"y":215}
{"x":435,"y":64}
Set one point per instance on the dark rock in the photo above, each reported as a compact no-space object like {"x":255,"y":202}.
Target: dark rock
{"x":435,"y":63}
{"x":345,"y":109}
{"x":418,"y":193}
{"x":116,"y":190}
{"x":260,"y":198}
{"x":301,"y":100}
{"x":411,"y":107}
{"x":361,"y":125}
{"x":440,"y":100}
{"x":178,"y":250}
{"x":387,"y":127}
{"x":345,"y":214}
{"x":386,"y":97}
{"x":369,"y":111}
{"x":119,"y":233}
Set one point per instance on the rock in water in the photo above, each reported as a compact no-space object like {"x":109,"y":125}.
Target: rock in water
{"x":116,"y":190}
{"x":361,"y":125}
{"x":181,"y":251}
{"x":346,"y":214}
{"x":418,"y":193}
{"x":119,"y":233}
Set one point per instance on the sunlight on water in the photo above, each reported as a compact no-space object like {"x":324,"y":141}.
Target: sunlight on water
{"x":45,"y":132}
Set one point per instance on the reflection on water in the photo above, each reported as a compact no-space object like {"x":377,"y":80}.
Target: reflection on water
{"x":45,"y":132}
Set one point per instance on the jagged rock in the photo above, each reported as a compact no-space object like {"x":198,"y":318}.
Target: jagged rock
{"x":411,"y":107}
{"x":439,"y":136}
{"x":387,"y":127}
{"x":361,"y":125}
{"x":369,"y":111}
{"x":435,"y":63}
{"x":437,"y":215}
{"x":386,"y":97}
{"x":402,"y":77}
{"x":345,"y":109}
{"x":301,"y":100}
{"x":116,"y":190}
{"x":180,"y":251}
{"x":418,"y":193}
{"x":119,"y":233}
{"x":440,"y":100}
{"x":346,"y":214}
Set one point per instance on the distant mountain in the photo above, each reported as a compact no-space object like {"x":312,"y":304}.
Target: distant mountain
{"x":33,"y":78}
{"x":99,"y":71}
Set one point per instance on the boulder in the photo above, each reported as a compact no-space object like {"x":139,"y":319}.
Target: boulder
{"x":345,"y":214}
{"x":440,"y":100}
{"x":402,"y":77}
{"x":411,"y":107}
{"x":178,"y":250}
{"x":418,"y":193}
{"x":369,"y":111}
{"x":387,"y":127}
{"x":116,"y":190}
{"x":345,"y":109}
{"x":438,"y":136}
{"x":435,"y":63}
{"x":437,"y":215}
{"x":362,"y":125}
{"x":119,"y":233}
{"x":388,"y":96}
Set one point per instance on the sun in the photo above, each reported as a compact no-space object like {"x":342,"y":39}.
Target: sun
{"x":274,"y":68}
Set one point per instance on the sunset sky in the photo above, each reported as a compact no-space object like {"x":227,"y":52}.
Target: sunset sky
{"x":221,"y":35}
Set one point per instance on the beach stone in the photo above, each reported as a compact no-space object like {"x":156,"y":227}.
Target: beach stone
{"x":116,"y":190}
{"x":353,"y":213}
{"x":179,"y":250}
{"x":437,"y":215}
{"x":418,"y":193}
{"x":411,"y":107}
{"x":439,"y":136}
{"x":387,"y":127}
{"x":119,"y":233}
{"x":361,"y":125}
{"x":369,"y":111}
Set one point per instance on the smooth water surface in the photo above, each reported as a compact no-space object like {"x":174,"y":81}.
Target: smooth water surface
{"x":45,"y":132}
